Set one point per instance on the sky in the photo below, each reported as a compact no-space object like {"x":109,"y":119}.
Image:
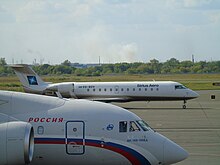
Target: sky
{"x":52,"y":31}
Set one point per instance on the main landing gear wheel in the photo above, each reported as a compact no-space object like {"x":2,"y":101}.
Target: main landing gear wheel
{"x":184,"y":104}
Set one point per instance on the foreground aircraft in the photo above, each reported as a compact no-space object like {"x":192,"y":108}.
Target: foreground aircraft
{"x":42,"y":130}
{"x":105,"y":91}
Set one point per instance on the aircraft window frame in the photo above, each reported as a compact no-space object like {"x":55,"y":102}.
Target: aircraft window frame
{"x":179,"y":87}
{"x":144,"y":126}
{"x":123,"y":126}
{"x":133,"y":127}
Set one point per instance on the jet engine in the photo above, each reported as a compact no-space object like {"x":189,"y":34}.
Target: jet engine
{"x":65,"y":89}
{"x":16,"y":143}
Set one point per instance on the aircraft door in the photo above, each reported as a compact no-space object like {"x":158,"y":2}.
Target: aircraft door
{"x":72,"y":92}
{"x":75,"y":137}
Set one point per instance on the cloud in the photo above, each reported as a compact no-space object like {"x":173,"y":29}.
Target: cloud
{"x":5,"y":15}
{"x":36,"y":11}
{"x":214,"y":17}
{"x":40,"y":11}
{"x":97,"y":41}
{"x":193,"y":4}
{"x":127,"y":30}
{"x":128,"y":52}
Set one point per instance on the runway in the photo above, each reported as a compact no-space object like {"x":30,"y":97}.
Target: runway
{"x":196,"y":129}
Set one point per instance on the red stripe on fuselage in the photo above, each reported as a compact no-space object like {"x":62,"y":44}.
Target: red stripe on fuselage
{"x":122,"y":152}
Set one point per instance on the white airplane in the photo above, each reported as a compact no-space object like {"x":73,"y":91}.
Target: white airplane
{"x":105,"y":91}
{"x":42,"y":130}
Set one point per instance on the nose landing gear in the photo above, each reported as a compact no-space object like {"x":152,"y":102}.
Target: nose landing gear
{"x":184,"y":104}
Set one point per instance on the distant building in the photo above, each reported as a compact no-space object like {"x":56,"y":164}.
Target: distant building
{"x":78,"y":65}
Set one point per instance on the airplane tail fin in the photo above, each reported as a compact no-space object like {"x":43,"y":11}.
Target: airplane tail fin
{"x":30,"y":80}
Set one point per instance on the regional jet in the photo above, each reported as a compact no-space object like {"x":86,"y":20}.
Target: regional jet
{"x":44,"y":130}
{"x":105,"y":91}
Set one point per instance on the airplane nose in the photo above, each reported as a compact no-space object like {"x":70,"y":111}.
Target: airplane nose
{"x":173,"y":153}
{"x":195,"y":94}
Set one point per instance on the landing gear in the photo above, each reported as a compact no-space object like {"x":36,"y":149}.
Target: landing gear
{"x":184,"y":104}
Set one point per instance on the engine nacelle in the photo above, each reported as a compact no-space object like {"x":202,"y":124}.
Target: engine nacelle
{"x":16,"y":143}
{"x":65,"y":89}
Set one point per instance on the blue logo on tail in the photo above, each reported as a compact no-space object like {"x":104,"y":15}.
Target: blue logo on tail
{"x":32,"y":80}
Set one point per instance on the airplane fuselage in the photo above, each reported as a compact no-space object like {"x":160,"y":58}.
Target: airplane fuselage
{"x":124,"y":91}
{"x":80,"y":131}
{"x":105,"y":91}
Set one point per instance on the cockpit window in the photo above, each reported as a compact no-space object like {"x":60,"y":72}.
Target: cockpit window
{"x":123,"y":126}
{"x":179,"y":87}
{"x":143,"y":125}
{"x":133,"y":127}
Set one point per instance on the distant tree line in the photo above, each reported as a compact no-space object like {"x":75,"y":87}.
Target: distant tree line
{"x":153,"y":67}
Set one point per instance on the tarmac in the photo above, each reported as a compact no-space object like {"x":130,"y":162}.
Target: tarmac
{"x":196,"y":129}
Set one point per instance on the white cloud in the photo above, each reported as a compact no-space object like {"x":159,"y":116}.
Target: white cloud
{"x":192,"y":4}
{"x":126,"y":30}
{"x":128,"y":52}
{"x":122,"y":52}
{"x":214,"y":17}
{"x":5,"y":15}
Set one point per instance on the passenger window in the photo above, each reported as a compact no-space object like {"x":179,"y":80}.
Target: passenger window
{"x":139,"y":89}
{"x":122,"y":89}
{"x":127,"y":89}
{"x":110,"y":89}
{"x":133,"y":89}
{"x":145,"y":89}
{"x":157,"y":89}
{"x":94,"y":89}
{"x":87,"y":90}
{"x":100,"y":89}
{"x":133,"y":127}
{"x":151,"y":89}
{"x":40,"y":130}
{"x":123,"y":126}
{"x":105,"y":89}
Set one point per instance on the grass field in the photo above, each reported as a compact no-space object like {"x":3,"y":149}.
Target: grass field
{"x":193,"y":81}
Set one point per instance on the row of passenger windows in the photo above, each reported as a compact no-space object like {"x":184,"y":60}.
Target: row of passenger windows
{"x":133,"y":126}
{"x":122,"y":89}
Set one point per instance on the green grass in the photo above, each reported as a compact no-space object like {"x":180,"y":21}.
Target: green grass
{"x":192,"y":81}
